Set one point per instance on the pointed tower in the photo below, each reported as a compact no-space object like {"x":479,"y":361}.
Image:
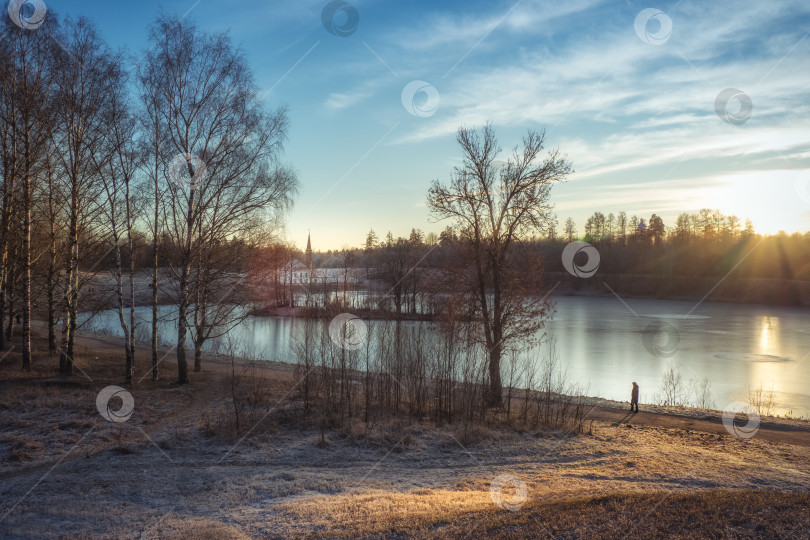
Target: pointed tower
{"x":308,"y":253}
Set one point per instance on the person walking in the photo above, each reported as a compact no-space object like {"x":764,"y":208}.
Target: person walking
{"x":634,"y":397}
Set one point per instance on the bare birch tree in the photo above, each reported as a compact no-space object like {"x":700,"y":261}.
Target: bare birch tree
{"x":119,"y":160}
{"x":84,"y":83}
{"x":25,"y":84}
{"x":223,"y":177}
{"x":153,"y":137}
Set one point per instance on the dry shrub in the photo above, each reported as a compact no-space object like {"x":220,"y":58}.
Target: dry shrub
{"x":354,"y":428}
{"x":468,"y":432}
{"x":762,"y":399}
{"x":390,"y":434}
{"x":218,"y":423}
{"x":25,"y":449}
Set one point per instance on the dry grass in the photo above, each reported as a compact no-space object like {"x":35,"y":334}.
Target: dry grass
{"x":706,"y":514}
{"x":178,"y":469}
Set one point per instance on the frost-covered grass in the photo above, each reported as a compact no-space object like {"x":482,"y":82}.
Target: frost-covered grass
{"x":177,"y":469}
{"x":284,"y":485}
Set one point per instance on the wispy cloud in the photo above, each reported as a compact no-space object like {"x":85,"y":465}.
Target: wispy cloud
{"x":463,"y":27}
{"x":660,"y":106}
{"x":339,"y":100}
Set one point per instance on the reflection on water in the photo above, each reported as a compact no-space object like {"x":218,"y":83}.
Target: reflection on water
{"x":769,"y":325}
{"x":600,"y":341}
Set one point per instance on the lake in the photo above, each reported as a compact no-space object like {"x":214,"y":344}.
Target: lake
{"x":606,"y":344}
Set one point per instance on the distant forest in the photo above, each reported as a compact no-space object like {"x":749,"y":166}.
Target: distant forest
{"x":704,"y":244}
{"x":638,"y":257}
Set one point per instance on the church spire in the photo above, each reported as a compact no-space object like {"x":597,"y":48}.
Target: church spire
{"x":308,"y":253}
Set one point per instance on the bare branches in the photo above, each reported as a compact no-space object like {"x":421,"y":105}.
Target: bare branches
{"x":221,"y":174}
{"x":495,"y":206}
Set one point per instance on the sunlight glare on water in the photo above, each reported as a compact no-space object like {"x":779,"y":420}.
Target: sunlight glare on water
{"x":600,"y":342}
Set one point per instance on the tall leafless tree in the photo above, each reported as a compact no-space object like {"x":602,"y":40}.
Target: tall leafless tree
{"x":153,"y":139}
{"x":84,"y":84}
{"x":222,"y":148}
{"x":25,"y":84}
{"x":119,"y":159}
{"x":495,"y":208}
{"x":52,"y":209}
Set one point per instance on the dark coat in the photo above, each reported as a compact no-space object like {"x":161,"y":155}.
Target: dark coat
{"x":634,"y":394}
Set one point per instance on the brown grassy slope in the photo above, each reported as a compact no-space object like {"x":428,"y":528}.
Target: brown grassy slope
{"x":184,"y":482}
{"x":707,"y":514}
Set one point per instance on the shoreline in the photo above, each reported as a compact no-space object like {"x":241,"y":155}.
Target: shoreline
{"x":712,"y":335}
{"x":318,"y":313}
{"x":734,"y":290}
{"x":689,"y":415}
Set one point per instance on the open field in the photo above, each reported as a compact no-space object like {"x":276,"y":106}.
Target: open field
{"x":177,"y":469}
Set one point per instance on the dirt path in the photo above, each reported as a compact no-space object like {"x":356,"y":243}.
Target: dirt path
{"x":771,"y":431}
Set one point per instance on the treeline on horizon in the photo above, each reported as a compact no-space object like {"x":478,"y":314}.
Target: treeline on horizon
{"x":702,"y":244}
{"x":705,"y":251}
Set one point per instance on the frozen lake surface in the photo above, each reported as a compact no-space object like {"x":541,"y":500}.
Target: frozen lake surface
{"x":606,"y":344}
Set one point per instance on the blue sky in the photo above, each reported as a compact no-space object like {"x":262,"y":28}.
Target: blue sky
{"x":634,"y":110}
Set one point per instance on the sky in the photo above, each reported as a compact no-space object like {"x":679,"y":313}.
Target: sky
{"x":661,"y":107}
